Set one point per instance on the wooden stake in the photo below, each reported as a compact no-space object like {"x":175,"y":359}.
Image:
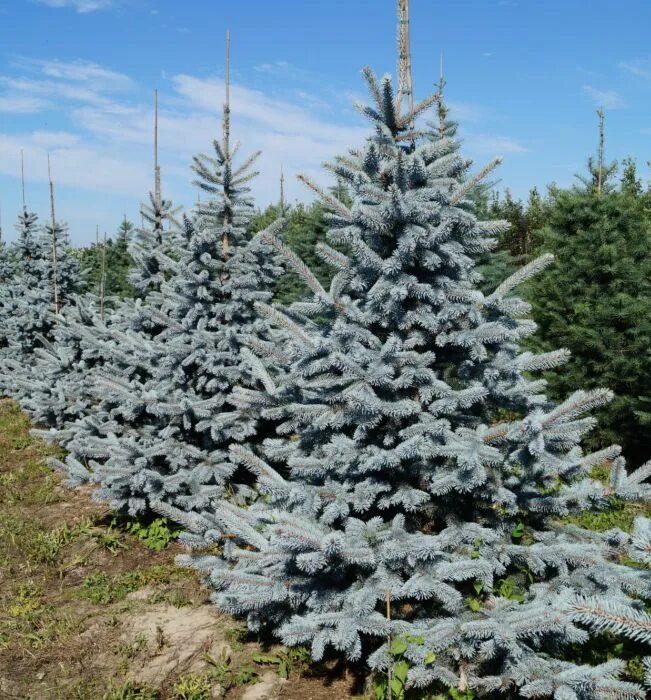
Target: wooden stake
{"x":55,"y":267}
{"x":227,"y":135}
{"x":600,"y":155}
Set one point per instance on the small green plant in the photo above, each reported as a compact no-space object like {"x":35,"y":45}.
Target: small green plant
{"x":236,"y":635}
{"x":129,"y":650}
{"x":101,"y":590}
{"x":109,"y":538}
{"x":286,"y":660}
{"x":155,"y":535}
{"x":245,"y":675}
{"x":461,"y":694}
{"x":129,"y":691}
{"x":192,"y":687}
{"x":175,"y":598}
{"x":393,"y":685}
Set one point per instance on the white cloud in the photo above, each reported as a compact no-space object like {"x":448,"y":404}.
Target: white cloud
{"x":638,"y":67}
{"x":284,"y":69}
{"x":105,"y":145}
{"x":494,"y":145}
{"x":81,"y":6}
{"x":102,"y":79}
{"x":21,"y":104}
{"x":608,"y":99}
{"x":463,"y":111}
{"x":54,"y":139}
{"x":74,"y":163}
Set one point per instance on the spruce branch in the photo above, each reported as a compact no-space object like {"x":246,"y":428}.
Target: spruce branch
{"x":279,"y":318}
{"x":254,"y":464}
{"x":373,"y":86}
{"x":301,"y":269}
{"x":608,"y":615}
{"x":327,"y":199}
{"x":473,"y":182}
{"x":332,"y":256}
{"x":522,"y":275}
{"x":259,"y":370}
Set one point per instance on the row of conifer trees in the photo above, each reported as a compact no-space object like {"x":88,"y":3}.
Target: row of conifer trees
{"x":374,"y":471}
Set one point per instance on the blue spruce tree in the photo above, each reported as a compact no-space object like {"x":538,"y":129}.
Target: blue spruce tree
{"x":167,"y":414}
{"x":415,"y":493}
{"x":45,"y":280}
{"x":101,"y":332}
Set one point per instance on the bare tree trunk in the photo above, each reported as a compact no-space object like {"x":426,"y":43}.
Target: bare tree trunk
{"x":282,"y":192}
{"x":600,"y":154}
{"x":55,"y":266}
{"x":404,"y":61}
{"x":227,"y":136}
{"x":22,"y":175}
{"x":103,"y":280}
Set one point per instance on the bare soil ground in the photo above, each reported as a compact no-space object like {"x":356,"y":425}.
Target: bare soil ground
{"x":89,"y":611}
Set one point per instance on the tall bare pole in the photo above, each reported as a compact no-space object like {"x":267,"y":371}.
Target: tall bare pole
{"x":157,"y":188}
{"x":282,"y":192}
{"x":441,"y":108}
{"x":103,"y":280}
{"x":227,"y":137}
{"x":404,"y":58}
{"x":22,"y":174}
{"x":55,"y":266}
{"x":600,"y":153}
{"x":99,"y":282}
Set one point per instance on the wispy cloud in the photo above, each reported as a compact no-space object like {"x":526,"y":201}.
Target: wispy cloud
{"x":608,"y":99}
{"x":102,"y":79}
{"x":494,"y":145}
{"x":638,"y":67}
{"x":81,"y":6}
{"x":21,"y":104}
{"x":284,"y":69}
{"x":50,"y":82}
{"x":109,"y":130}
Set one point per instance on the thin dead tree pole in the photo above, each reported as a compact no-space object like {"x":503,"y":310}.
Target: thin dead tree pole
{"x":227,"y":136}
{"x":102,"y":295}
{"x":404,"y":59}
{"x":282,"y":192}
{"x":157,"y":187}
{"x":441,"y":109}
{"x":55,"y":266}
{"x":22,"y":175}
{"x":600,"y":153}
{"x":99,"y":281}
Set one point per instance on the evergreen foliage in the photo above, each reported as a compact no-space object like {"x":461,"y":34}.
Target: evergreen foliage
{"x":29,"y":304}
{"x":305,"y":228}
{"x":163,"y":419}
{"x":418,"y":468}
{"x":596,"y":301}
{"x":118,"y":263}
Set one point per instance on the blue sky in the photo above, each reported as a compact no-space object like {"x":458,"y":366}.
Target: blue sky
{"x":524,"y":79}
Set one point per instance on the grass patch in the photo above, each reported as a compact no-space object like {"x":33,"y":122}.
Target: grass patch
{"x":619,"y":514}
